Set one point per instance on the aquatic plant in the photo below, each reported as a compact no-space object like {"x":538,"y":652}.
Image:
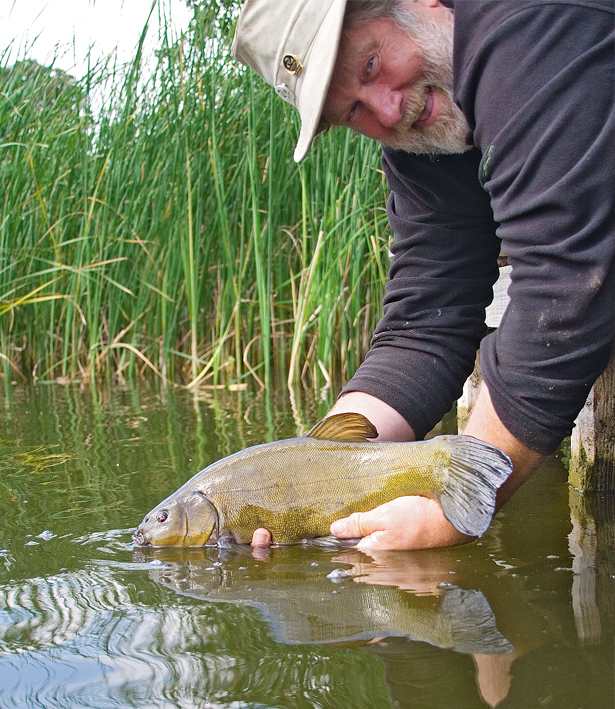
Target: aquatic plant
{"x":165,"y":229}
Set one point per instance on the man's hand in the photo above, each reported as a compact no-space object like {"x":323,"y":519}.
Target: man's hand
{"x":405,"y":523}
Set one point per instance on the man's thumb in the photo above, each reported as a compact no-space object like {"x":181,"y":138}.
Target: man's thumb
{"x":354,"y":526}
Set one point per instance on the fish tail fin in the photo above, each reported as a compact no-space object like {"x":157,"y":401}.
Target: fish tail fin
{"x":472,"y":623}
{"x":475,"y":472}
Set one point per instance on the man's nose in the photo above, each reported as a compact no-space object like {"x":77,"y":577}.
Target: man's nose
{"x":386,"y":105}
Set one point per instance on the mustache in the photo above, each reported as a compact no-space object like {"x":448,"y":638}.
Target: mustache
{"x":415,"y":105}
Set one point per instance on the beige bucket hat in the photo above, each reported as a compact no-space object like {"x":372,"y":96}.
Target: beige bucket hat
{"x":293,"y":44}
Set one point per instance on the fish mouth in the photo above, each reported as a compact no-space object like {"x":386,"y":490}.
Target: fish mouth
{"x":140,"y":540}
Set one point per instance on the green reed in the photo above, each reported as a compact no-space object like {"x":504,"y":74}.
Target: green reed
{"x":166,"y":230}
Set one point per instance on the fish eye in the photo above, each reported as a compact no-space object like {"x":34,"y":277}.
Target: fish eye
{"x":163,"y":516}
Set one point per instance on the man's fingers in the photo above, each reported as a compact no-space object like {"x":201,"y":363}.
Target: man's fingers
{"x":261,"y":538}
{"x":380,"y":540}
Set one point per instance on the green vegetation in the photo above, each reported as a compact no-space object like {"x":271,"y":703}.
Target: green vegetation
{"x":165,"y":229}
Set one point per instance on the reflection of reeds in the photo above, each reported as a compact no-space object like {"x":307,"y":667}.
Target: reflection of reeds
{"x":37,"y":459}
{"x":172,"y":234}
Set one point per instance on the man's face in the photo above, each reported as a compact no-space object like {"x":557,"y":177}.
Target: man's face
{"x":394,"y":84}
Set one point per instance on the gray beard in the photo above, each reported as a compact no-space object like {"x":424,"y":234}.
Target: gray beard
{"x":448,"y":133}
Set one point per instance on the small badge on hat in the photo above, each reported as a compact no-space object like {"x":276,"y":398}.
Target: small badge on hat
{"x":292,"y":64}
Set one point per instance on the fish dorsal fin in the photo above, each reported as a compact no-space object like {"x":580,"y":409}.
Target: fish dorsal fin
{"x":348,"y":428}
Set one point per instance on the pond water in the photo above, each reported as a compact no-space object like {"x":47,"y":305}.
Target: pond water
{"x":522,"y":618}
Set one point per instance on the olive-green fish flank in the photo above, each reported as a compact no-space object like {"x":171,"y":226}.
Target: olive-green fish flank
{"x":297,"y":487}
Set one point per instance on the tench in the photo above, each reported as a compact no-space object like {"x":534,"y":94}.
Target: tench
{"x":297,"y":487}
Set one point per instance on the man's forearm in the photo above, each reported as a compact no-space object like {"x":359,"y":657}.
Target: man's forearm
{"x":485,"y":424}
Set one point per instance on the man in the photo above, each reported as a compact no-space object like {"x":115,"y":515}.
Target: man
{"x":497,"y":121}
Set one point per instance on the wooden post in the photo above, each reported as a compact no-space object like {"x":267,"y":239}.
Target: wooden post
{"x":493,"y":317}
{"x":592,"y":509}
{"x":592,"y":445}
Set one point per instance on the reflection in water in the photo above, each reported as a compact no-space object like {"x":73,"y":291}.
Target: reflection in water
{"x":312,"y":604}
{"x":592,"y":544}
{"x":44,"y":612}
{"x":583,"y":545}
{"x":85,"y":622}
{"x":88,"y":634}
{"x":85,"y":639}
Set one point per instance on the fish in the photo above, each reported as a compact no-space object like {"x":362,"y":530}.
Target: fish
{"x":307,"y":603}
{"x":297,"y":487}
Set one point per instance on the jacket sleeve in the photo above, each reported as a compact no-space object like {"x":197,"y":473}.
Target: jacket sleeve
{"x":440,"y":282}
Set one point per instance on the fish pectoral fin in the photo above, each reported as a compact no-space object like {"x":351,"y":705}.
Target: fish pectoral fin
{"x":346,"y":428}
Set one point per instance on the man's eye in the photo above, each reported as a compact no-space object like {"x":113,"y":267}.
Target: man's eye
{"x":352,"y":113}
{"x":370,"y":65}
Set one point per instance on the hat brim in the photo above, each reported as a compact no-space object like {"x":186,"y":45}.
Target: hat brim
{"x":316,"y":78}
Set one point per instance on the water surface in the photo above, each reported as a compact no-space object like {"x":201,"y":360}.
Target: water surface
{"x":522,"y":618}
